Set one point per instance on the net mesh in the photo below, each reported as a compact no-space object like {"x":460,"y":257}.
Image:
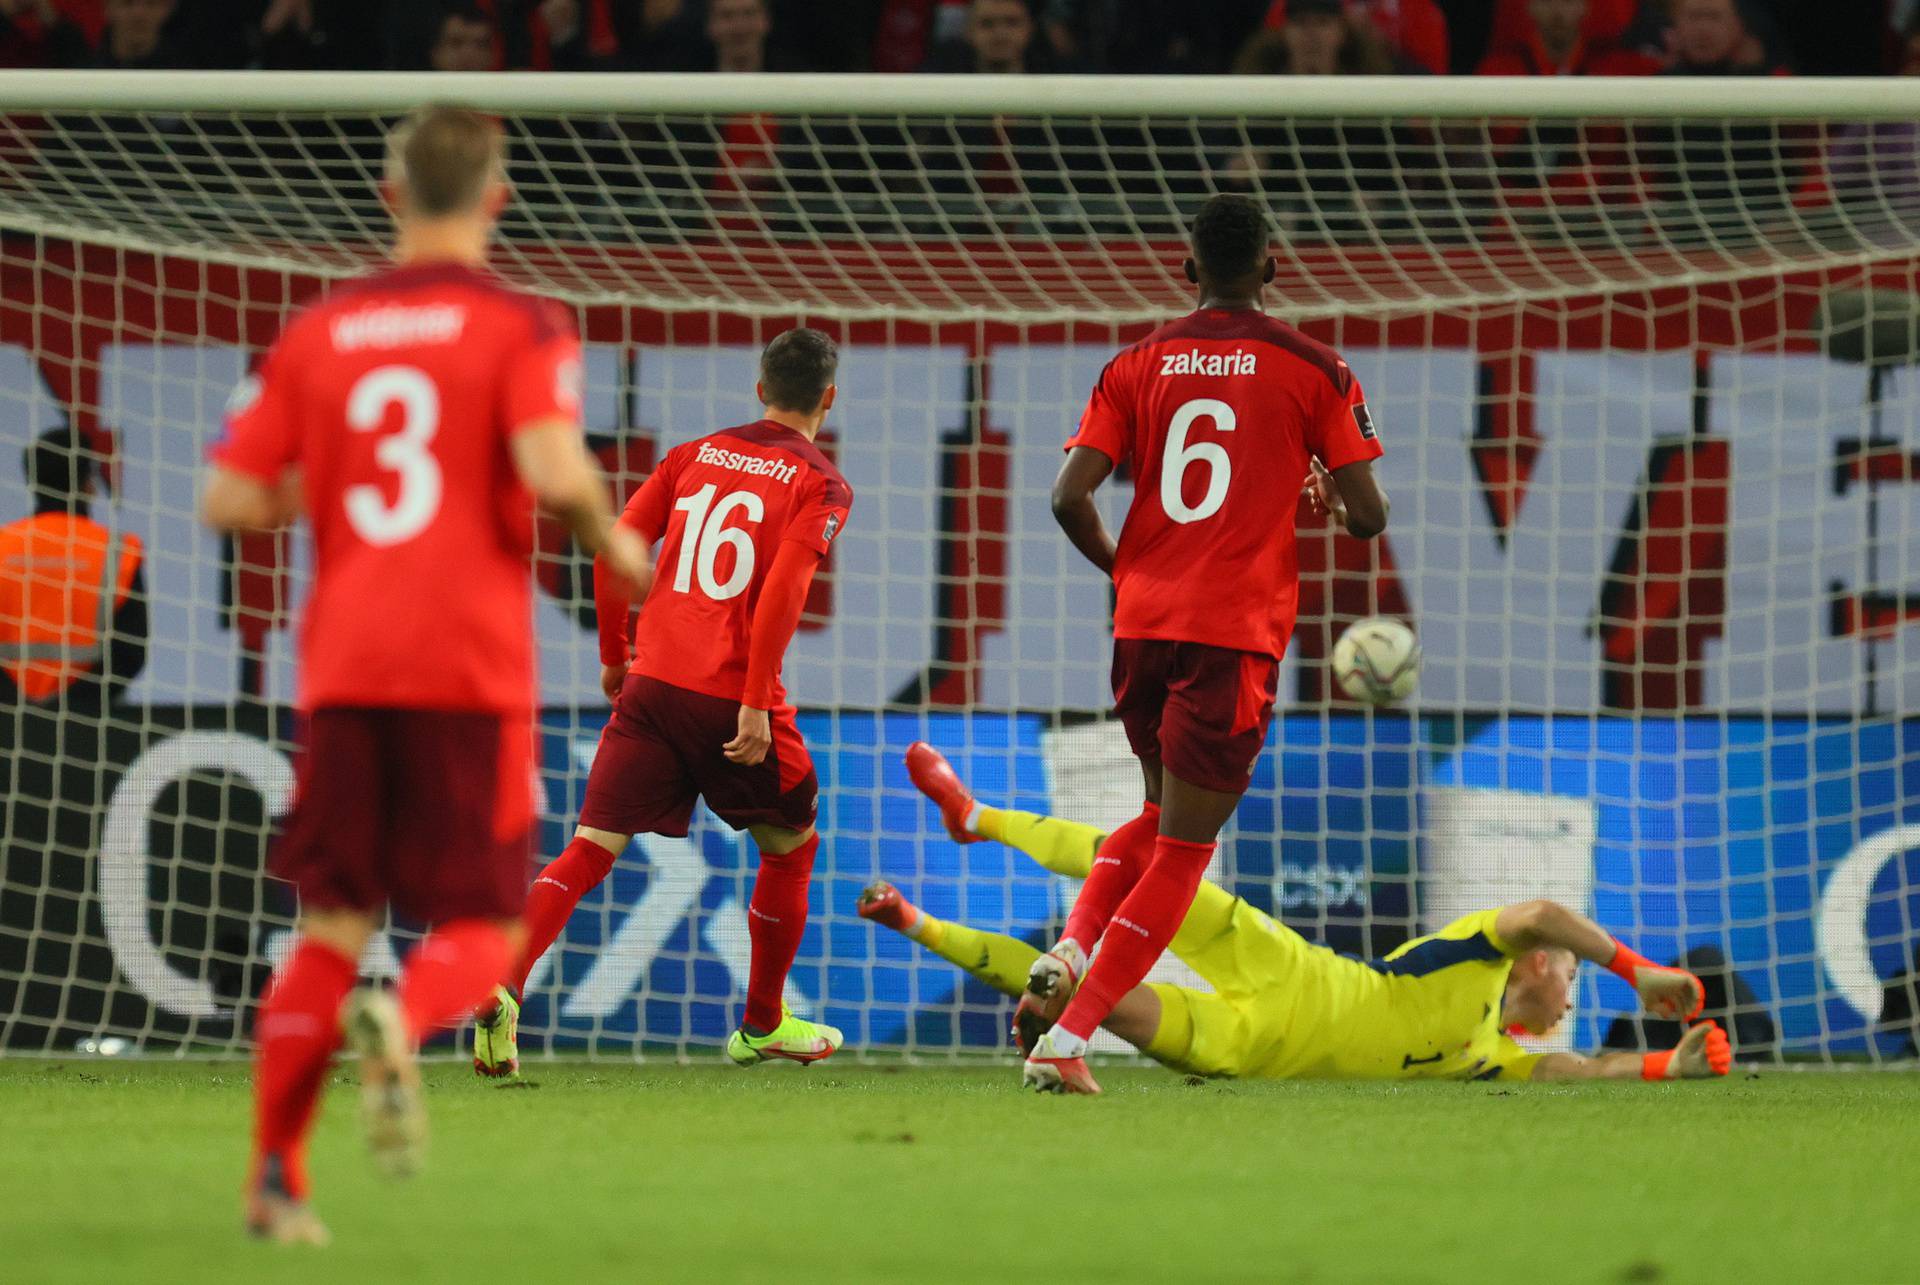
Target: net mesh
{"x":1652,"y":435}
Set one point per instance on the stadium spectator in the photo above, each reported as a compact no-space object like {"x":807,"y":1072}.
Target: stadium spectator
{"x":1621,"y":24}
{"x":1715,"y":38}
{"x":737,"y":31}
{"x":1555,"y":40}
{"x":1001,"y":39}
{"x":315,"y":35}
{"x":35,"y":34}
{"x":1565,"y":162}
{"x":73,"y":595}
{"x":1008,"y":161}
{"x":1726,"y":179}
{"x":136,"y":37}
{"x":1414,"y":29}
{"x":1323,"y":172}
{"x":606,"y":35}
{"x":467,"y":39}
{"x":1136,"y":37}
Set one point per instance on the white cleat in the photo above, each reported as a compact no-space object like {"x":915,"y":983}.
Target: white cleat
{"x":391,"y":1110}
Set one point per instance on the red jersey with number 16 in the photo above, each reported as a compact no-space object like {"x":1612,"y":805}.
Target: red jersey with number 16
{"x":395,"y":399}
{"x":1215,"y":416}
{"x":722,"y":506}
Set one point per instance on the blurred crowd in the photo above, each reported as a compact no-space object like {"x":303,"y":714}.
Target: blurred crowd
{"x":1264,"y":37}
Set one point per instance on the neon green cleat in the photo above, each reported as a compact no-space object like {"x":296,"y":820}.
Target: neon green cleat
{"x":496,"y":1037}
{"x":794,"y":1040}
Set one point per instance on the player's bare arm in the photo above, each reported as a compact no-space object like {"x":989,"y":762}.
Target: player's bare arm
{"x":552,"y":462}
{"x":1703,"y":1053}
{"x":1351,"y":496}
{"x":1535,"y":925}
{"x":236,"y":501}
{"x":1073,"y":507}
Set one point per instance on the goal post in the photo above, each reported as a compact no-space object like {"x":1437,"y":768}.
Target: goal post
{"x":1641,"y":353}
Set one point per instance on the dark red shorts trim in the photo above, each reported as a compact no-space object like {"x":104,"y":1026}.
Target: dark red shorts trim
{"x":661,"y":751}
{"x":1201,"y":712}
{"x":431,"y":810}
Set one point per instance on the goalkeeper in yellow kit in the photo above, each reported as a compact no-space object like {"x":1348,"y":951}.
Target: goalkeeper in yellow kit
{"x":1440,"y":1007}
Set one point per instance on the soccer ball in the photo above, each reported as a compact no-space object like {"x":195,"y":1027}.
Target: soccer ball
{"x":1377,"y":660}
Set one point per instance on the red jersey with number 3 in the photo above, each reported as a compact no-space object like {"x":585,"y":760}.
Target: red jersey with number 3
{"x":395,"y":399}
{"x":721,"y":507}
{"x":1215,"y":417}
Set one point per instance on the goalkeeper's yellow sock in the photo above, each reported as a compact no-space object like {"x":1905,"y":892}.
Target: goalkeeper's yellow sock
{"x":1064,"y":847}
{"x":1000,"y":961}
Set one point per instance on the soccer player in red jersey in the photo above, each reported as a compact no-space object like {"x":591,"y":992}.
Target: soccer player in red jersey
{"x":416,"y":416}
{"x":1218,"y":417}
{"x":744,"y":517}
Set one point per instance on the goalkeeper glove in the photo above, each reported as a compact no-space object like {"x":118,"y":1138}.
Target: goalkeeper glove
{"x":1668,"y":992}
{"x":1703,"y":1052}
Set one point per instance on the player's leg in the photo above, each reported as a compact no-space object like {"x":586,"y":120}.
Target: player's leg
{"x":637,"y":784}
{"x":1140,"y":674}
{"x":995,"y":958}
{"x":331,"y":850}
{"x":776,"y":921}
{"x":1064,"y":847}
{"x":1212,"y":727}
{"x":775,"y":801}
{"x":295,"y":1036}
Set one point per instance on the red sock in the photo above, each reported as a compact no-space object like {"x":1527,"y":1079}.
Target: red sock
{"x":451,"y":972}
{"x":776,"y":918}
{"x":1117,"y":866}
{"x":1143,"y":925}
{"x":556,"y":891}
{"x":294,"y":1039}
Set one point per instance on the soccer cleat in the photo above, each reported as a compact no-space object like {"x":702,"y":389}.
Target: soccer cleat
{"x":273,"y":1213}
{"x":885,"y":905}
{"x":934,"y":777}
{"x":794,"y":1040}
{"x":496,"y":1037}
{"x":391,"y":1110}
{"x":1047,"y":1072}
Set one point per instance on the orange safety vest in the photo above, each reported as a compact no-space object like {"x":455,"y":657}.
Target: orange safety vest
{"x":55,"y":608}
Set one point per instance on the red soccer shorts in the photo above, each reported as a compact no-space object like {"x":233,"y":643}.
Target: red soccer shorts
{"x":431,"y":810}
{"x":1201,"y":712}
{"x":661,"y":751}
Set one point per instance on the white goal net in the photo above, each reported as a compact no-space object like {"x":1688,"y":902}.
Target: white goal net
{"x":1641,"y":354}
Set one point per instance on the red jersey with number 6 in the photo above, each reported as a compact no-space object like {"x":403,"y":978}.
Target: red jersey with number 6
{"x":1215,"y":417}
{"x":721,"y":507}
{"x":395,"y":399}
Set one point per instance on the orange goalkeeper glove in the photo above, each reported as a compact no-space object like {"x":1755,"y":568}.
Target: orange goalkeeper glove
{"x":1703,"y":1052}
{"x":1667,"y":992}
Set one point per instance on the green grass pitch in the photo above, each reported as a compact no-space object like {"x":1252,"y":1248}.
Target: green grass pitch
{"x":131,"y":1171}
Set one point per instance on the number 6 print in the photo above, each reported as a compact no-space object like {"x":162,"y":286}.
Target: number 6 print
{"x":1173,"y":466}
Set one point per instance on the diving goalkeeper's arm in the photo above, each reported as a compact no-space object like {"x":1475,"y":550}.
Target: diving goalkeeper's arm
{"x":1672,"y":993}
{"x":1703,"y":1052}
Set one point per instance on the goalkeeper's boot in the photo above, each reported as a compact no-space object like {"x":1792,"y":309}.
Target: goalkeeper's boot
{"x":934,"y":777}
{"x":391,"y":1109}
{"x":885,"y":905}
{"x":274,"y":1213}
{"x":1047,"y":1071}
{"x":1051,"y":982}
{"x":794,"y":1040}
{"x":496,"y":1037}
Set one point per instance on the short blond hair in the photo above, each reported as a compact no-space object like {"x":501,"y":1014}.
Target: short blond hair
{"x":443,"y":156}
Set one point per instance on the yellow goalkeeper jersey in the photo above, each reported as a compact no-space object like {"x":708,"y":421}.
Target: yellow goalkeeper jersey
{"x":1287,"y":1009}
